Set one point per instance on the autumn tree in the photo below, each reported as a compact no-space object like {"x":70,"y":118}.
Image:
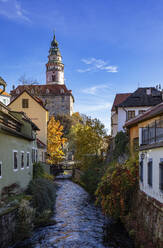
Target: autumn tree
{"x":88,"y":140}
{"x":55,"y":141}
{"x":68,"y":121}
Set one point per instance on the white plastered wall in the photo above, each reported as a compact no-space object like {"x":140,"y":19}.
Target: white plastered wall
{"x":156,"y":154}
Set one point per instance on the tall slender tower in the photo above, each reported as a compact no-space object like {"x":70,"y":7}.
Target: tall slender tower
{"x":54,"y":67}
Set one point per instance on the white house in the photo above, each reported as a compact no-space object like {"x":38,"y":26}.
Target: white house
{"x":151,"y":155}
{"x":4,"y":97}
{"x":150,"y":133}
{"x":127,"y":106}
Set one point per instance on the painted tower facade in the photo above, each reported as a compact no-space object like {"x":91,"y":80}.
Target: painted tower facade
{"x":54,"y":67}
{"x":54,"y":94}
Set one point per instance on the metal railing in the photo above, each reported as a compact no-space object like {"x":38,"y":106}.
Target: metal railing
{"x":152,"y":133}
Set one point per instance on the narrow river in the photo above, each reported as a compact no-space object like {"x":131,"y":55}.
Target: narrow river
{"x":78,"y":222}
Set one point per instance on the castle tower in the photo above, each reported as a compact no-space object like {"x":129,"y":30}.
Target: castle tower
{"x":54,"y":67}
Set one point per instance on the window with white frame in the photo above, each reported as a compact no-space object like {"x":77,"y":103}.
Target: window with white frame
{"x":130,"y":114}
{"x":161,"y":174}
{"x":28,"y":159}
{"x":150,"y":173}
{"x":0,"y":169}
{"x":15,"y":160}
{"x":33,"y":155}
{"x":22,"y":160}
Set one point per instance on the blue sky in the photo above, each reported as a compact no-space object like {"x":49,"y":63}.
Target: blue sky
{"x":108,"y":46}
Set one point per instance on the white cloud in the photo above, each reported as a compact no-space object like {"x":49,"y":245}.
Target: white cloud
{"x":83,"y":70}
{"x":12,"y":9}
{"x":94,"y":89}
{"x":98,"y":65}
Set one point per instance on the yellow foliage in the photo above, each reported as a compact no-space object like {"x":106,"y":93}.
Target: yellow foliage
{"x":55,"y":141}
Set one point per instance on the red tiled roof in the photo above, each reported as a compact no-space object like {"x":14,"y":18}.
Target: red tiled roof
{"x":150,"y":113}
{"x":40,"y":144}
{"x":119,"y":98}
{"x":38,"y":100}
{"x":54,"y":89}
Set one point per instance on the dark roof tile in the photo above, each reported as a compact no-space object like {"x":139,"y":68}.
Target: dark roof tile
{"x":140,"y":98}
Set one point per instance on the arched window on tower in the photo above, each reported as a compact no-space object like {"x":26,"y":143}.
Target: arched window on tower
{"x":47,"y":91}
{"x":62,"y":91}
{"x":54,"y":78}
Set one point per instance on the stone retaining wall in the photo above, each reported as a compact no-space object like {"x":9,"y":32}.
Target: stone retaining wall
{"x":145,"y":222}
{"x":7,"y":228}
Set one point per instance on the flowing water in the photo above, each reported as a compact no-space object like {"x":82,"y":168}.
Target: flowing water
{"x":78,"y":222}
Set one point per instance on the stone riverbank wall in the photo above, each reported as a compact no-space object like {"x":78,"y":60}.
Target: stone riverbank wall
{"x":7,"y":227}
{"x":145,"y":222}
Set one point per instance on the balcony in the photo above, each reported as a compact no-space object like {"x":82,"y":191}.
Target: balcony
{"x":152,"y":134}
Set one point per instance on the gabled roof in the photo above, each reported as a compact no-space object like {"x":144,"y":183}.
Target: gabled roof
{"x":4,"y":93}
{"x":43,"y":89}
{"x":40,"y":144}
{"x":150,"y":113}
{"x":38,"y":100}
{"x":23,"y":116}
{"x":119,"y":98}
{"x":16,"y":123}
{"x":140,"y":98}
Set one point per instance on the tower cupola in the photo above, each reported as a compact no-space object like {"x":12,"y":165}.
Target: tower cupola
{"x":54,"y":67}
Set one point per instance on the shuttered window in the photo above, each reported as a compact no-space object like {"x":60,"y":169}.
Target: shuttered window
{"x":24,"y":103}
{"x":15,"y":158}
{"x":161,"y":175}
{"x":27,"y":159}
{"x":22,"y":160}
{"x":150,"y":173}
{"x":141,"y":171}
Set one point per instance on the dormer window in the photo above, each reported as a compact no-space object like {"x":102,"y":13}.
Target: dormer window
{"x":17,"y":91}
{"x":47,"y":91}
{"x":62,"y":91}
{"x":148,"y":91}
{"x":32,"y":91}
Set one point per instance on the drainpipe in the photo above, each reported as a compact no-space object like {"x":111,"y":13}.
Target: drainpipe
{"x":125,"y":111}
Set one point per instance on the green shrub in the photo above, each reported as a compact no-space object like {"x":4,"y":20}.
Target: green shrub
{"x":92,"y":175}
{"x":43,"y":194}
{"x":38,"y":172}
{"x":121,"y":144}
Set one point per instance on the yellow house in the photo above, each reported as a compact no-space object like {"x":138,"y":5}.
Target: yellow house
{"x":146,"y":119}
{"x":34,"y":109}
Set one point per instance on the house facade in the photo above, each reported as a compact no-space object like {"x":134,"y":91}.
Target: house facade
{"x":133,"y":105}
{"x":35,"y":110}
{"x":119,"y":98}
{"x":54,"y":94}
{"x":4,"y":96}
{"x":150,"y":132}
{"x":18,"y":148}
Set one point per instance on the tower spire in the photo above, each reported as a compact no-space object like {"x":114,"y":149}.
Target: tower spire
{"x":54,"y":67}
